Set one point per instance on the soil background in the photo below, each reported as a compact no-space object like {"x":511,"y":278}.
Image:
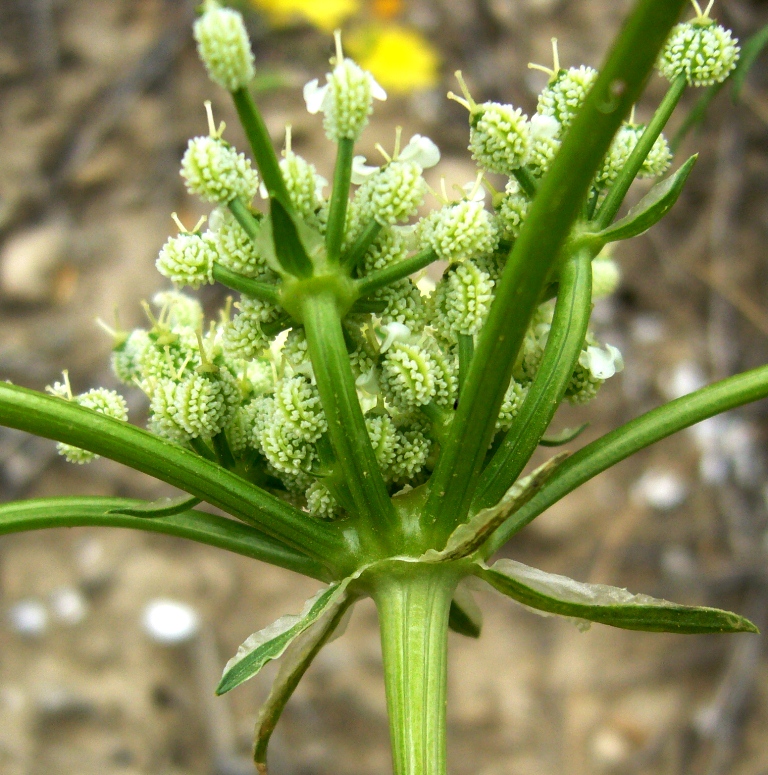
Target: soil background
{"x":98,"y":99}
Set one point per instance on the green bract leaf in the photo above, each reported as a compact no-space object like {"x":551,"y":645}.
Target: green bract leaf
{"x":750,"y":51}
{"x":292,"y":240}
{"x":651,"y":208}
{"x":296,"y":659}
{"x":565,"y":436}
{"x":561,"y":595}
{"x":470,"y":536}
{"x":465,"y":616}
{"x":163,"y":507}
{"x":271,"y":642}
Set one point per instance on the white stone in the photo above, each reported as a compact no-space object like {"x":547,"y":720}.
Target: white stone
{"x":169,"y":621}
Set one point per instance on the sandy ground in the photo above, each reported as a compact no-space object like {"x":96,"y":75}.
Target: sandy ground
{"x":98,"y":100}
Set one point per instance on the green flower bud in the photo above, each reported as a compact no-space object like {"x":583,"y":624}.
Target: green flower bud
{"x":127,"y":356}
{"x":297,"y":405}
{"x":187,"y":259}
{"x":243,"y":337}
{"x":605,"y":277}
{"x":320,"y":502}
{"x":384,"y":440}
{"x":411,"y":454}
{"x":216,"y":172}
{"x":511,"y":208}
{"x":223,"y":46}
{"x":171,"y":353}
{"x":408,"y":374}
{"x":178,"y":309}
{"x":513,"y":400}
{"x":235,"y":249}
{"x":404,"y":304}
{"x":205,"y":402}
{"x":656,"y":163}
{"x":461,"y":230}
{"x":703,"y":51}
{"x":462,"y":300}
{"x":394,"y":193}
{"x":103,"y":401}
{"x":390,"y":247}
{"x":287,"y":452}
{"x":346,"y":100}
{"x":499,"y":137}
{"x":304,"y":185}
{"x":565,"y":94}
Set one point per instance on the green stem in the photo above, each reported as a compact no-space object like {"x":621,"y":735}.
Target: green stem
{"x":615,"y":197}
{"x":245,"y":285}
{"x":54,"y":418}
{"x":243,"y":215}
{"x":557,"y":204}
{"x":356,"y":253}
{"x":526,"y":180}
{"x":337,"y":210}
{"x":564,"y":344}
{"x":41,"y":513}
{"x":346,"y":426}
{"x":413,"y":607}
{"x":390,"y":274}
{"x":632,"y":437}
{"x":466,"y":352}
{"x":261,"y":143}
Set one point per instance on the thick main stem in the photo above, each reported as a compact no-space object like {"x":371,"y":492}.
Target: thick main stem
{"x":413,"y":608}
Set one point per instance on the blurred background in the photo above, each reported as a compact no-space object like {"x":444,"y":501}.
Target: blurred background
{"x":111,"y":642}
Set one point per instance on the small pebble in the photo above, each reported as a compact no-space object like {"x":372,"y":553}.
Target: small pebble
{"x":170,"y":622}
{"x":29,"y":618}
{"x":662,"y":490}
{"x":68,"y":605}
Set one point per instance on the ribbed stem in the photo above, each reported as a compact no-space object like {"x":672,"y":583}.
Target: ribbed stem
{"x":413,"y":608}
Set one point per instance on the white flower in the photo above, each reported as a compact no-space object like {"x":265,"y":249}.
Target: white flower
{"x":361,"y":171}
{"x":314,"y":94}
{"x":422,"y":151}
{"x":543,"y":126}
{"x":602,"y":364}
{"x":394,"y":332}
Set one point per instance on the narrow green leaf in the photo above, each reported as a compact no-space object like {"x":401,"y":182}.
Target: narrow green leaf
{"x":750,"y":51}
{"x":271,"y":642}
{"x":65,"y":421}
{"x":163,"y":507}
{"x":43,"y":513}
{"x":564,"y":345}
{"x":650,"y":209}
{"x":295,"y":662}
{"x":563,"y":596}
{"x":635,"y":435}
{"x":390,"y":274}
{"x":566,"y":436}
{"x":558,"y":202}
{"x":289,"y":248}
{"x":465,"y":616}
{"x":470,"y":536}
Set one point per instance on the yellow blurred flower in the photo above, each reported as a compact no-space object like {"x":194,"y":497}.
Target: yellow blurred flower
{"x":401,"y":59}
{"x":324,"y":14}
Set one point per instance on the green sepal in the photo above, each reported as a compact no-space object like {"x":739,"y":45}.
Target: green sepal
{"x":465,"y":616}
{"x":601,"y":603}
{"x":162,"y":507}
{"x":566,"y":436}
{"x":650,"y":209}
{"x":295,"y":662}
{"x":271,"y":643}
{"x":468,"y":537}
{"x":293,"y":240}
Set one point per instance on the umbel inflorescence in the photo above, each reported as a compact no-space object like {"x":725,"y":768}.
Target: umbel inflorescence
{"x":245,"y":381}
{"x":369,"y":427}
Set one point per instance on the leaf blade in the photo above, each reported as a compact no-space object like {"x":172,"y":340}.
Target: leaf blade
{"x":650,"y":209}
{"x":560,"y":595}
{"x":465,"y":616}
{"x":162,"y":507}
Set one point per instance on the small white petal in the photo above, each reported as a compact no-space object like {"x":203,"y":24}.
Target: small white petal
{"x":314,"y":94}
{"x":368,"y":382}
{"x":376,"y":91}
{"x":422,"y":151}
{"x":263,"y":193}
{"x":474,"y":192}
{"x":361,"y":170}
{"x":321,"y":183}
{"x":602,"y":364}
{"x":394,"y":332}
{"x":544,"y":126}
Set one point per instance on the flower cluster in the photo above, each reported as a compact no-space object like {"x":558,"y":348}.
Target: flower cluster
{"x":242,"y":389}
